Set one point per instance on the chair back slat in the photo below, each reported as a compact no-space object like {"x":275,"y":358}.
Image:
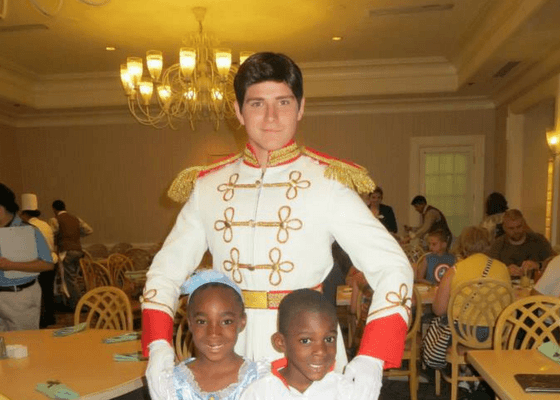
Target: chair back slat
{"x":528,"y":322}
{"x":107,"y":307}
{"x":473,"y":309}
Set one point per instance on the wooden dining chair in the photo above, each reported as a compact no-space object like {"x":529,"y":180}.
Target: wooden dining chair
{"x":183,"y":343}
{"x":413,"y":252}
{"x":527,"y":323}
{"x":118,"y":264}
{"x":141,"y":259}
{"x":98,"y":250}
{"x":94,"y":274}
{"x":120,"y":248}
{"x":412,"y":347}
{"x":474,"y":307}
{"x":105,"y":307}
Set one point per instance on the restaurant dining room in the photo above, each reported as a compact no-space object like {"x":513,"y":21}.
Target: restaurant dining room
{"x":155,"y":155}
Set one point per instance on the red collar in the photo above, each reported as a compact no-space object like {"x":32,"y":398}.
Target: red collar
{"x":282,"y":363}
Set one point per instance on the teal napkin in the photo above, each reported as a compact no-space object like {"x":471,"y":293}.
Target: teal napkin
{"x":135,"y":356}
{"x":125,"y":337}
{"x":56,"y":390}
{"x":69,"y":330}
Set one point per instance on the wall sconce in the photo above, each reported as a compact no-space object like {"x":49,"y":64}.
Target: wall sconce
{"x":553,"y":140}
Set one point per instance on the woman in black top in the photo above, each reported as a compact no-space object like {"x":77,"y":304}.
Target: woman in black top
{"x":382,"y":212}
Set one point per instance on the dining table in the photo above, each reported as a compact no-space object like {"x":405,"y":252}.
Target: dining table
{"x":499,"y":367}
{"x":81,"y":361}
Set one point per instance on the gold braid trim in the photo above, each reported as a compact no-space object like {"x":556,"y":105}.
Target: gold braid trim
{"x":183,"y":185}
{"x":354,"y":176}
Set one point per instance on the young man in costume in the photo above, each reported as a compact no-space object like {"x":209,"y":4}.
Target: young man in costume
{"x":269,"y":216}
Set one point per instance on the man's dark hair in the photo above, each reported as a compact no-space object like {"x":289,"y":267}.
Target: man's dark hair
{"x":8,"y":199}
{"x":378,"y":190}
{"x":59,"y":205}
{"x":262,"y":67}
{"x":32,"y":213}
{"x":418,"y":200}
{"x":302,"y":300}
{"x":496,"y":203}
{"x":202,"y":288}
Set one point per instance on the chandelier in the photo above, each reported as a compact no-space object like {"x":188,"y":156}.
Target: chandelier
{"x":197,"y":88}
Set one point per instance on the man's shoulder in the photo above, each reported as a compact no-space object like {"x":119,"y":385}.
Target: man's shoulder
{"x":347,"y":173}
{"x":536,"y":237}
{"x":183,"y":185}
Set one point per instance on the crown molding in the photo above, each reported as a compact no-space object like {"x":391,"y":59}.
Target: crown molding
{"x":338,"y":79}
{"x":316,"y":108}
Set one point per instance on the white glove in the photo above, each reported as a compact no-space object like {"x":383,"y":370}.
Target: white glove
{"x":160,"y":369}
{"x":367,"y":374}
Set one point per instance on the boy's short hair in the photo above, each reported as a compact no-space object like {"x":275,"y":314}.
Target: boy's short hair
{"x":438,"y":233}
{"x":266,"y":66}
{"x":302,"y":300}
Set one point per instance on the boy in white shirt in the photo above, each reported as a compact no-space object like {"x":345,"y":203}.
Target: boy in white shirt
{"x":307,"y":335}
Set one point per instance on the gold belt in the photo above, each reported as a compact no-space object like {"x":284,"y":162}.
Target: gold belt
{"x":268,"y":300}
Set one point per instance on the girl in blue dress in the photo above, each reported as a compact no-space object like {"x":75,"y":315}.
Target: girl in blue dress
{"x":216,"y":315}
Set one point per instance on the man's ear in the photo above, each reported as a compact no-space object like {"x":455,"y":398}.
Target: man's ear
{"x":301,"y":108}
{"x":238,"y":113}
{"x":278,"y":342}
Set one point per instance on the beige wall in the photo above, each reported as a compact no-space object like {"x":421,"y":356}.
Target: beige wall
{"x":10,"y":166}
{"x":381,"y":143}
{"x":115,"y":176}
{"x":538,"y":120}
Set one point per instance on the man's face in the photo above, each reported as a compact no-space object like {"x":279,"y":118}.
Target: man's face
{"x":310,"y":347}
{"x":419,"y":207}
{"x":514,"y":229}
{"x":270,"y":115}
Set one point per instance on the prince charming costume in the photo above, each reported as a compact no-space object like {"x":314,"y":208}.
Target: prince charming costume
{"x":270,"y":230}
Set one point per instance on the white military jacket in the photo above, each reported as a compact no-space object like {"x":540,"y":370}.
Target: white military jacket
{"x":271,"y":230}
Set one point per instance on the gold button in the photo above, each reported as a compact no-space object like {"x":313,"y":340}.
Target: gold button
{"x":258,"y":183}
{"x":251,"y":223}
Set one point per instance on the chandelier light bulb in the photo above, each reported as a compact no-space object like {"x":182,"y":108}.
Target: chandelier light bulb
{"x":154,"y":61}
{"x":164,"y":94}
{"x":187,"y":59}
{"x":146,"y":89}
{"x":126,"y":80}
{"x":245,"y":55}
{"x":135,"y":69}
{"x":223,"y":61}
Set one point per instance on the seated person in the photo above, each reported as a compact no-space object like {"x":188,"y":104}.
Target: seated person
{"x":307,"y":333}
{"x":549,"y":283}
{"x":425,"y":271}
{"x":472,"y":246}
{"x":520,"y":249}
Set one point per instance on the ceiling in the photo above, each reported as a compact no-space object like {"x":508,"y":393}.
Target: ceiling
{"x":433,"y":48}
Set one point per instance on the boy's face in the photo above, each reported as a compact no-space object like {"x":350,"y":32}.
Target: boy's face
{"x":310,"y":347}
{"x":215,"y":320}
{"x":270,"y":114}
{"x":436,"y":245}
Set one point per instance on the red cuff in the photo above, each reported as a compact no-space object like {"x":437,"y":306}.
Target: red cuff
{"x":155,"y":325}
{"x":384,"y":338}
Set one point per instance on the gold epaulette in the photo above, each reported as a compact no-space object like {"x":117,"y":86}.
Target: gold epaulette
{"x":183,"y":185}
{"x":350,"y":175}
